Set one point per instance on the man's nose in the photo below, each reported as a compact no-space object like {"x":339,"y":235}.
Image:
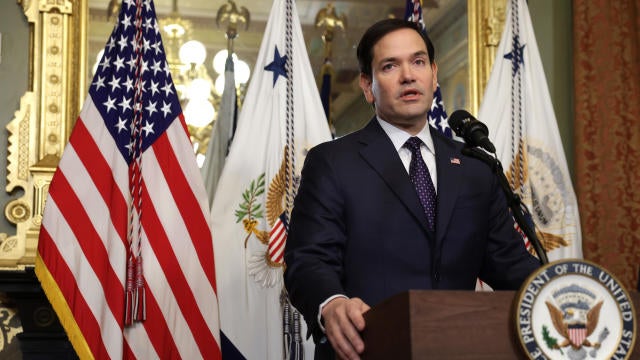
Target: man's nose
{"x":406,"y":74}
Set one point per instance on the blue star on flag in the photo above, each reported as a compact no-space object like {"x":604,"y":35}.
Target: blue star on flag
{"x":277,"y":66}
{"x":516,"y":54}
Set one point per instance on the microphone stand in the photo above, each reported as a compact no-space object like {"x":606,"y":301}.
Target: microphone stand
{"x":518,"y":209}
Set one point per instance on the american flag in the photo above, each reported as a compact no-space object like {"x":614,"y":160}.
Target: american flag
{"x":437,"y":115}
{"x":128,"y":188}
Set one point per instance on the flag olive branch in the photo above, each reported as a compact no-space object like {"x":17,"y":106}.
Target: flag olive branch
{"x":250,"y":210}
{"x":551,"y":342}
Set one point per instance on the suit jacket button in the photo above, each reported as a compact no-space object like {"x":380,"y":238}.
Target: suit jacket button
{"x":436,"y":276}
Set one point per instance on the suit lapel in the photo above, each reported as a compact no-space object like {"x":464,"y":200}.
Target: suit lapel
{"x":449,"y":166}
{"x":378,"y":151}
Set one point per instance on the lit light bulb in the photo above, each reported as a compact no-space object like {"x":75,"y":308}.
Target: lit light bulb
{"x":242,"y":72}
{"x":199,"y":112}
{"x":220,"y":59}
{"x":219,"y":84}
{"x":199,"y":89}
{"x":192,"y":52}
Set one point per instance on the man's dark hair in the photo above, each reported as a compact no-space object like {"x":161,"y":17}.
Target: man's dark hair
{"x":379,"y":30}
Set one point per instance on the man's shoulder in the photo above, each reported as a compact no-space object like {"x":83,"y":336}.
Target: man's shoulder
{"x":453,"y":143}
{"x":346,"y":142}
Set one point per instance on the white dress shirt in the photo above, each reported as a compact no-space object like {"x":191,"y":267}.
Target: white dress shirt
{"x":399,"y":137}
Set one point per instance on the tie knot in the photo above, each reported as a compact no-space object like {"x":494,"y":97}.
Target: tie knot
{"x":413,"y":144}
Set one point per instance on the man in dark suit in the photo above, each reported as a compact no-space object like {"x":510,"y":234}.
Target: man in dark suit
{"x":360,"y":230}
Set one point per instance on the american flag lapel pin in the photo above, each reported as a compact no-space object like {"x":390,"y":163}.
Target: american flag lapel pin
{"x":455,"y":160}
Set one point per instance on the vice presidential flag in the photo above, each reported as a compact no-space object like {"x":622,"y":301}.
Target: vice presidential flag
{"x":125,"y":253}
{"x":281,"y":118}
{"x":517,"y":109}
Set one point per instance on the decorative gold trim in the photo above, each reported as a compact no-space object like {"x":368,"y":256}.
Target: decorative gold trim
{"x":42,"y":125}
{"x":486,"y":21}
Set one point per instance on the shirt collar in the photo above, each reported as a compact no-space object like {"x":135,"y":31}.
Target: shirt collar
{"x":399,"y":137}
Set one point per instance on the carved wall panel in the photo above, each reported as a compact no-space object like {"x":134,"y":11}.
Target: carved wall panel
{"x":486,"y":21}
{"x":40,"y":128}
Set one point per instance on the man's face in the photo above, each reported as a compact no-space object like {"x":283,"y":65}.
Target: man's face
{"x":403,"y":81}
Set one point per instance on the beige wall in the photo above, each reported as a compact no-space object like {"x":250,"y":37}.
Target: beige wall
{"x":553,"y":25}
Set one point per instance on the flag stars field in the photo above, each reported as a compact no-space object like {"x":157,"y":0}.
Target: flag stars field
{"x":115,"y":84}
{"x":124,"y":104}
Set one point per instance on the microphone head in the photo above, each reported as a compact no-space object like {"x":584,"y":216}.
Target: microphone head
{"x":474,"y":132}
{"x":461,"y":122}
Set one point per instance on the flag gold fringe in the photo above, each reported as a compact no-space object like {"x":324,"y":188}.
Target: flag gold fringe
{"x":59,"y":304}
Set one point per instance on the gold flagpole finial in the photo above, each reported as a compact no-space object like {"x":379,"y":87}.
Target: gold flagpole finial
{"x":233,"y":15}
{"x":330,"y":20}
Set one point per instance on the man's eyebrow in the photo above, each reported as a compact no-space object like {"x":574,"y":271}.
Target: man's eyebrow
{"x":388,"y":59}
{"x":394,"y":58}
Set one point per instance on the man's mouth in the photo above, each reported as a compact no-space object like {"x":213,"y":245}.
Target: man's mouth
{"x":410,"y":94}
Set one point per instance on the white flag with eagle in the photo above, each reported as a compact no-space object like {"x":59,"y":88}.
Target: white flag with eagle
{"x":518,"y":112}
{"x":281,"y":119}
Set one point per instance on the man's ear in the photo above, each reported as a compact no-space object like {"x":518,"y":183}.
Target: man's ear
{"x":434,"y":69}
{"x":365,"y":85}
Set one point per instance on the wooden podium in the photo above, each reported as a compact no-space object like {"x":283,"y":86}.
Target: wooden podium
{"x":421,"y":324}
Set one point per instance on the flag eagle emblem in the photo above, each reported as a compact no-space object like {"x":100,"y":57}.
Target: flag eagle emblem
{"x":577,"y":317}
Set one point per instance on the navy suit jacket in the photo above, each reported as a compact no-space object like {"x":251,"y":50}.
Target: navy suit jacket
{"x":358,"y":229}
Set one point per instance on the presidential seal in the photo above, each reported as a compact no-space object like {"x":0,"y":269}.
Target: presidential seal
{"x":574,"y":309}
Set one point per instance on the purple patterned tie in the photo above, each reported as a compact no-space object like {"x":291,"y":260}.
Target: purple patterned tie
{"x":421,"y":179}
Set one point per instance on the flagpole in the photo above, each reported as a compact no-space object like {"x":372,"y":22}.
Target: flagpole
{"x":331,"y":21}
{"x":223,"y":130}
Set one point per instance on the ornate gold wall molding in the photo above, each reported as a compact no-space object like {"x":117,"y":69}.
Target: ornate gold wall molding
{"x":486,"y":22}
{"x":41,"y":127}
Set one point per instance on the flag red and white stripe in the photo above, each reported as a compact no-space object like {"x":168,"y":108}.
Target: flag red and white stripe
{"x":577,"y":335}
{"x":83,"y":244}
{"x":277,"y":239}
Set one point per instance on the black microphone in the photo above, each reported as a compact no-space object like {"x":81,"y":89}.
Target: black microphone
{"x":471,"y":130}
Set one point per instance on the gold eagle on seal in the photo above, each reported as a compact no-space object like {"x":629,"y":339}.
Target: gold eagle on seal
{"x":563,"y":323}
